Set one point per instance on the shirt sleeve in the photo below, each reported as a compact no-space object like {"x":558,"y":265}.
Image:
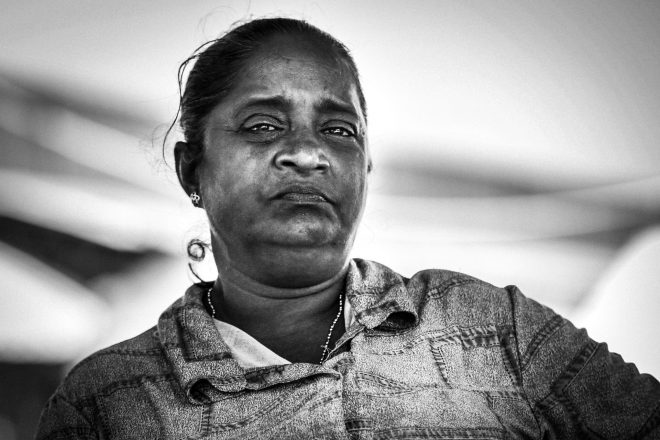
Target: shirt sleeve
{"x":576,"y":387}
{"x":62,"y":420}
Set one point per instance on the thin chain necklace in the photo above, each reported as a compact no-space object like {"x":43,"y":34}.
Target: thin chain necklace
{"x":325,"y":347}
{"x":208,"y":301}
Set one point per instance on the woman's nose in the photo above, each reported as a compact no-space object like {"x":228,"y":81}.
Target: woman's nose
{"x":302,"y":156}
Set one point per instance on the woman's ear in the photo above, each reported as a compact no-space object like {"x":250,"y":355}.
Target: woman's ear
{"x":186,"y":159}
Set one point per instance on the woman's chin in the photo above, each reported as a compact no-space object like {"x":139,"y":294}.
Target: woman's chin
{"x":304,"y":234}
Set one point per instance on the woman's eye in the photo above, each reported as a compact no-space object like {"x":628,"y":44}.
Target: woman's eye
{"x":339,"y":131}
{"x":261,"y":128}
{"x":258,"y":131}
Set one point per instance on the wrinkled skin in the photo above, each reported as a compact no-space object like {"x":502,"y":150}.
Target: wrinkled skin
{"x":283,"y":175}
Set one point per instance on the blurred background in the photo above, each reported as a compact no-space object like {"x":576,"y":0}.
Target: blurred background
{"x":514,"y":141}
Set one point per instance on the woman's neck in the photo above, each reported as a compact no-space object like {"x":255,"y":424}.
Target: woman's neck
{"x":256,"y":307}
{"x":294,"y":323}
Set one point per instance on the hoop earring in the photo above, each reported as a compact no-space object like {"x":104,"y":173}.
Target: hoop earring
{"x":195,"y":198}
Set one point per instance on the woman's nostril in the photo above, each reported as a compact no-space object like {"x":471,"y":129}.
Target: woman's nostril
{"x":303,"y":159}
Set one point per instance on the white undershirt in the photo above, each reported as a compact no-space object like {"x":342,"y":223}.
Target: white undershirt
{"x":250,"y":353}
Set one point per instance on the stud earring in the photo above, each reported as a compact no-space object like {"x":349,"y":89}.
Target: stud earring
{"x":195,"y":198}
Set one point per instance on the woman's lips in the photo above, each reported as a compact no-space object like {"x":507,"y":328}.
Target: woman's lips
{"x":303,"y":194}
{"x":303,"y":197}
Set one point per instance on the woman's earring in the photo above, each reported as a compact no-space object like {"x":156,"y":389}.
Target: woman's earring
{"x":195,"y":198}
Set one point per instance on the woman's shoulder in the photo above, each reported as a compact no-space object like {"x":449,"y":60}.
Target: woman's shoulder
{"x":115,"y":366}
{"x":459,"y":295}
{"x":430,"y":283}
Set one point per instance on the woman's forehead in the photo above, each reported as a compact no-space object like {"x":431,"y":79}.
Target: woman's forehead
{"x":288,"y":71}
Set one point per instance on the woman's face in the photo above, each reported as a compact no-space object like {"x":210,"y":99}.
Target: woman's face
{"x":283,"y":175}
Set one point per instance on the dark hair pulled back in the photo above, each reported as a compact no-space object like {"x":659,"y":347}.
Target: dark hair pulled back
{"x":218,"y":63}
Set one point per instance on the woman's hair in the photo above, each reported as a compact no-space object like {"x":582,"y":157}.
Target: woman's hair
{"x":218,"y":63}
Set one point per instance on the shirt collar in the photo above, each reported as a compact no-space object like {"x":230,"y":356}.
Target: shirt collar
{"x":380,"y":297}
{"x":198,"y":356}
{"x":193,"y":347}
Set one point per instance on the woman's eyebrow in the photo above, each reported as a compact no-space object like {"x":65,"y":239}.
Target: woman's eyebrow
{"x":276,"y":102}
{"x":326,"y":105}
{"x":329,"y":105}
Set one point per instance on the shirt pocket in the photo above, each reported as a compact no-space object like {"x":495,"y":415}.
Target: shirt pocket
{"x":146,"y":407}
{"x":480,"y":358}
{"x":395,"y":389}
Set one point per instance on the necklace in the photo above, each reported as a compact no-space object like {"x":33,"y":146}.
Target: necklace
{"x":208,"y":301}
{"x":326,"y":350}
{"x":325,"y":346}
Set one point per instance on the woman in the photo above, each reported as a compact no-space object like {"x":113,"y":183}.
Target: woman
{"x":293,"y":340}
